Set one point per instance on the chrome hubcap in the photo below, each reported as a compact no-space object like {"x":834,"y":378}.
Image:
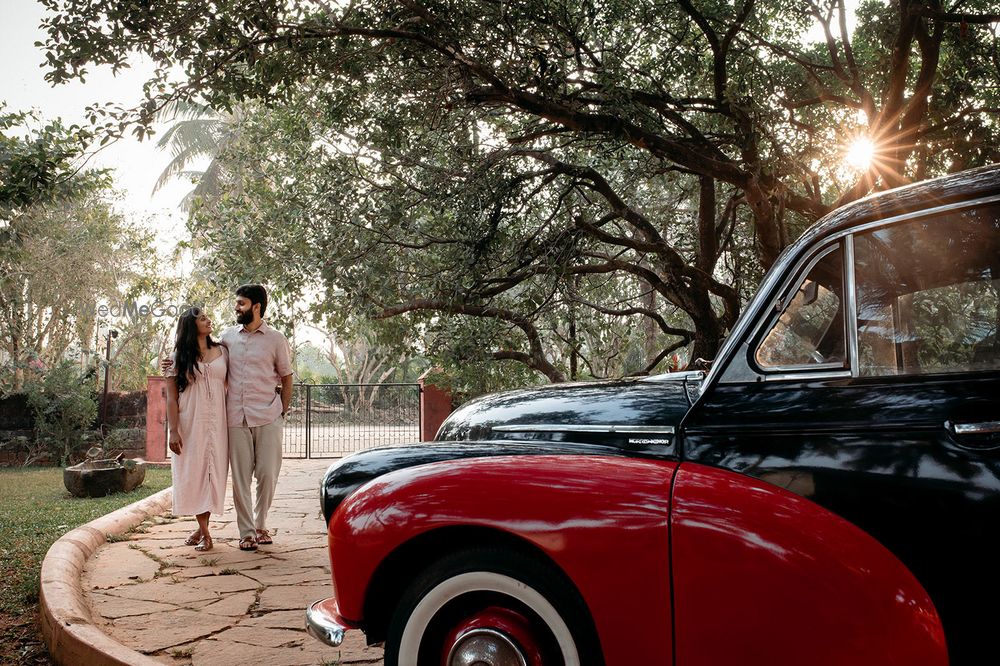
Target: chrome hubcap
{"x":485,"y":647}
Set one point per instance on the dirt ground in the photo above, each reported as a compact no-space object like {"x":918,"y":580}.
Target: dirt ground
{"x":21,"y":642}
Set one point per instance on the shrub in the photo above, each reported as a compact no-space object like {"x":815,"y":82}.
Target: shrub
{"x":64,"y":408}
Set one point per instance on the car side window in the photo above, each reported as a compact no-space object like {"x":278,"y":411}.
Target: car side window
{"x":809,"y":332}
{"x":927,"y":295}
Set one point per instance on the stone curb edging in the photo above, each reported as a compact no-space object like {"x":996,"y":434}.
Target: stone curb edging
{"x":65,"y":617}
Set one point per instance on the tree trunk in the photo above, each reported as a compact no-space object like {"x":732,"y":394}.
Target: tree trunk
{"x":766,"y":224}
{"x":705,"y":346}
{"x":708,"y":333}
{"x":649,"y":327}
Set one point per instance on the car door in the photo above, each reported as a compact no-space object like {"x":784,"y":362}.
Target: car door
{"x":872,"y":387}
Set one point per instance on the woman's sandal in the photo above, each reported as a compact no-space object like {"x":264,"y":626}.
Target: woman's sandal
{"x":194,"y":539}
{"x":248,"y":543}
{"x":264,"y":537}
{"x":204,"y":545}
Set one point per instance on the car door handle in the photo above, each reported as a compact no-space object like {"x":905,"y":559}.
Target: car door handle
{"x":980,"y":437}
{"x":984,"y":428}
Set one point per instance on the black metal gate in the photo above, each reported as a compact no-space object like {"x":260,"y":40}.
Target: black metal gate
{"x":334,"y":420}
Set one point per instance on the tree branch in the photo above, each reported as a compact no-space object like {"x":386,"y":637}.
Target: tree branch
{"x":924,"y":11}
{"x":440,"y":305}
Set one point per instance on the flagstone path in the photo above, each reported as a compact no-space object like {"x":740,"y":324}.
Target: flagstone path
{"x":155,"y":595}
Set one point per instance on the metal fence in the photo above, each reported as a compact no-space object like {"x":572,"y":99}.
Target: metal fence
{"x":333,"y":420}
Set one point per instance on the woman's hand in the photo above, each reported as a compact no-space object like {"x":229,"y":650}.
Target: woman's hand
{"x":175,"y":443}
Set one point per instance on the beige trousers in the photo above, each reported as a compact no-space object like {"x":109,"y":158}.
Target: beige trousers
{"x":254,"y":451}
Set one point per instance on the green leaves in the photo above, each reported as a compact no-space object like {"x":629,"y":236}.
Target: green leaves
{"x":39,"y":163}
{"x":64,"y":407}
{"x":62,"y":247}
{"x":549,"y":159}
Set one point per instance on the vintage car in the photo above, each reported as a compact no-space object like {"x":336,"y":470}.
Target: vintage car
{"x":827,"y":494}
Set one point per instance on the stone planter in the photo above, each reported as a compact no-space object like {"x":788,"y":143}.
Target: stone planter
{"x":97,"y":478}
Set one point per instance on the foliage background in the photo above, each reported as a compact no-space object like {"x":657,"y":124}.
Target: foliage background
{"x":534,"y":191}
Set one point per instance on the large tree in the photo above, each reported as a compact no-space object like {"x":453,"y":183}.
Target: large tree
{"x":545,"y":143}
{"x":428,"y":230}
{"x":63,"y":247}
{"x":63,"y":260}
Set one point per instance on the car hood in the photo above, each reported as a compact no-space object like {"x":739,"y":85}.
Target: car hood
{"x":633,"y":414}
{"x":634,"y":417}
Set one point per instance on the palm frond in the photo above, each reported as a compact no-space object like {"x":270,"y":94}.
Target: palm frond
{"x":209,"y":186}
{"x":173,"y":168}
{"x":184,"y":109}
{"x":186,"y":132}
{"x":197,"y":131}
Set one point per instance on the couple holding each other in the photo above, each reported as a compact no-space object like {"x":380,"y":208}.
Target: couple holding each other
{"x":224,"y":409}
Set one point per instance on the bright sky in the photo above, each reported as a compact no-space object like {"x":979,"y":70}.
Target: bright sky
{"x":136,"y":164}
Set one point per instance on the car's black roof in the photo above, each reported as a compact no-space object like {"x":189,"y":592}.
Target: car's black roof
{"x":971,"y":184}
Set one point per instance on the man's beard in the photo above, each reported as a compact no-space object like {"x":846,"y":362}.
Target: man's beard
{"x":245,"y":317}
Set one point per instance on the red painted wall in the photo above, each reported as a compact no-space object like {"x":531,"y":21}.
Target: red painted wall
{"x":435,"y":406}
{"x":156,"y":416}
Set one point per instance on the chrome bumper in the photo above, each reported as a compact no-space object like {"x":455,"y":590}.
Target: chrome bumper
{"x":321,"y":626}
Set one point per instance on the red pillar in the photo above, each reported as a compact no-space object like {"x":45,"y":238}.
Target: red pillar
{"x":156,"y":416}
{"x":435,"y":406}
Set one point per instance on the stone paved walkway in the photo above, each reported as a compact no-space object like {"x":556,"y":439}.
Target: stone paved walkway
{"x":155,"y":595}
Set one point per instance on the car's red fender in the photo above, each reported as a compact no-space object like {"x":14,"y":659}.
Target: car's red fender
{"x":602,"y":519}
{"x":764,"y":576}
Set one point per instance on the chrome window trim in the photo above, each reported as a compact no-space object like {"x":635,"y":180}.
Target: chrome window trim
{"x":738,"y":338}
{"x":816,"y":367}
{"x":852,"y":308}
{"x":595,"y":428}
{"x":738,"y":335}
{"x":841,"y":373}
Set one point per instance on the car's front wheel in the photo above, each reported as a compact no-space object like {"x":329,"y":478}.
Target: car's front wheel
{"x":492,"y":607}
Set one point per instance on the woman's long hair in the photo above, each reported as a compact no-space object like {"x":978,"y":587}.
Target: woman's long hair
{"x":186,"y":350}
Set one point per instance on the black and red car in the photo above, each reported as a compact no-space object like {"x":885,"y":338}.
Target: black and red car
{"x":827,"y":494}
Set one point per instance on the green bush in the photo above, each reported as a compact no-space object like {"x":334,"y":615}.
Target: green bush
{"x":64,"y":408}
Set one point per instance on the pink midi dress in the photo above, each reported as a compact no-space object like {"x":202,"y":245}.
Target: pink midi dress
{"x":200,"y":470}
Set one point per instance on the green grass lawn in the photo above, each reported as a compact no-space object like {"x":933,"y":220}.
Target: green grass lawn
{"x":35,"y":510}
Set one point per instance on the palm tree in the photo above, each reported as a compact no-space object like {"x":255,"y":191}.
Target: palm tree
{"x":198,"y":131}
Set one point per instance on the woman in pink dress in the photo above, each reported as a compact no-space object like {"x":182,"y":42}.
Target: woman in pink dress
{"x":196,"y":414}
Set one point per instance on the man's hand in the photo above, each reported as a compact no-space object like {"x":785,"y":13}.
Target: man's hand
{"x":176,"y":444}
{"x":166,"y":364}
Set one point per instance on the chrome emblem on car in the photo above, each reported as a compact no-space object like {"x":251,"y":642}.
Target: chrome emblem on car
{"x":649,"y":440}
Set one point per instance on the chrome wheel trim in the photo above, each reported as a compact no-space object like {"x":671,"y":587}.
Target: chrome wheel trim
{"x":482,"y":581}
{"x":486,"y":647}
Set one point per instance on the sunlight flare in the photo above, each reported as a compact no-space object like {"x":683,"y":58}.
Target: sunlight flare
{"x":860,"y":153}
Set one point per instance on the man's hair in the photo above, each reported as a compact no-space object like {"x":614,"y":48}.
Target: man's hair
{"x":256,"y":294}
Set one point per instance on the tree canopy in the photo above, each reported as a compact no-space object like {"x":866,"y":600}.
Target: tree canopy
{"x":63,"y":248}
{"x":40,"y":163}
{"x":549,"y":172}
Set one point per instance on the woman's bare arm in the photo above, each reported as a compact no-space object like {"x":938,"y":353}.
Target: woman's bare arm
{"x":173,"y":416}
